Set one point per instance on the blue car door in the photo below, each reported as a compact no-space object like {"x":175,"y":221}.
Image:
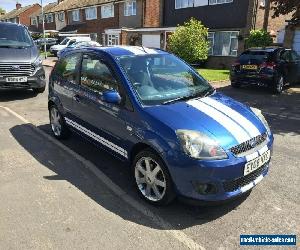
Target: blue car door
{"x":104,"y":123}
{"x":65,"y":79}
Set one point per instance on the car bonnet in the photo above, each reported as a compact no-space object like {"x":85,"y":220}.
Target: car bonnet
{"x":226,"y":120}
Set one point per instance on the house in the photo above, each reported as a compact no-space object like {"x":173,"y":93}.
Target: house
{"x":229,"y":23}
{"x":36,"y":19}
{"x":20,"y":14}
{"x":292,"y":33}
{"x":86,"y":17}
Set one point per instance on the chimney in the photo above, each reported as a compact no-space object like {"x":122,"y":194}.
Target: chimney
{"x":18,"y":5}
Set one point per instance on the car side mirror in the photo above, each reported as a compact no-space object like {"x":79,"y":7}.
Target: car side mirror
{"x":111,"y":96}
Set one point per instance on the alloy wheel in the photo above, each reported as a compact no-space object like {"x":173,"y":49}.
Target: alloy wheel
{"x":150,"y":179}
{"x":55,"y":120}
{"x":280,"y":84}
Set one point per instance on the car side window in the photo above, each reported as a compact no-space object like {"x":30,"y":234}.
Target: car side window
{"x":286,"y":56}
{"x":67,"y":67}
{"x":96,"y":75}
{"x":72,"y":42}
{"x":295,"y":56}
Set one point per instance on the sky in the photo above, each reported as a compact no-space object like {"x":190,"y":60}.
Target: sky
{"x":9,"y":5}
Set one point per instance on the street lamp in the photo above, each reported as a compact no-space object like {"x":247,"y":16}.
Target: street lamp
{"x":44,"y":34}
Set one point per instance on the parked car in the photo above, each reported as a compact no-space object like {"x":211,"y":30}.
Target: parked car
{"x":150,"y":108}
{"x":77,"y":45}
{"x":67,"y":42}
{"x":272,"y":67}
{"x":20,"y":64}
{"x":48,"y":41}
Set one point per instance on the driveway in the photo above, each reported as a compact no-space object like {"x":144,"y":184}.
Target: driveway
{"x":73,"y":194}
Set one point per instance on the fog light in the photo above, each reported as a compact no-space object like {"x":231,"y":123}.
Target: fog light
{"x":204,"y":188}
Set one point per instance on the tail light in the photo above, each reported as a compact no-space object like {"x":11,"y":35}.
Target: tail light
{"x":268,"y":65}
{"x":236,"y":65}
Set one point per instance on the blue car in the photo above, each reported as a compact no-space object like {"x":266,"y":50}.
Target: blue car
{"x":153,"y":110}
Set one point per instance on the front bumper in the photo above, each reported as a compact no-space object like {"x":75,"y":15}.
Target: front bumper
{"x":35,"y":81}
{"x":227,"y":176}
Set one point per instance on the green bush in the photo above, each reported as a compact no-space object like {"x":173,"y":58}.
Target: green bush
{"x":189,"y":41}
{"x":259,"y":38}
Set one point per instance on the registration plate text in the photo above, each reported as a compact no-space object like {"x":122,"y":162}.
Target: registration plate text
{"x":257,"y":162}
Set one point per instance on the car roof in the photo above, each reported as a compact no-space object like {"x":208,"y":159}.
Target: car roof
{"x":266,"y":49}
{"x":118,"y":51}
{"x":11,"y":24}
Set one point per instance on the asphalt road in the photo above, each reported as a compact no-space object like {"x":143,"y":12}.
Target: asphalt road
{"x":72,"y":195}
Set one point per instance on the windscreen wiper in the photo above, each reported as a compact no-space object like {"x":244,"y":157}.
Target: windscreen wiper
{"x":181,"y":98}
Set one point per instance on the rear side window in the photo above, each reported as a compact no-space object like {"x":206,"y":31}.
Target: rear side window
{"x":67,"y":67}
{"x":256,"y":57}
{"x":96,"y":75}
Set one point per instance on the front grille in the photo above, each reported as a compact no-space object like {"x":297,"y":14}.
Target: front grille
{"x":16,"y":69}
{"x":248,"y":145}
{"x":230,"y":186}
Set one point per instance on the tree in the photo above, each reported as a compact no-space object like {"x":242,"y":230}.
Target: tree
{"x":189,"y":41}
{"x":266,"y":14}
{"x":283,"y":7}
{"x":259,"y":38}
{"x":2,"y":11}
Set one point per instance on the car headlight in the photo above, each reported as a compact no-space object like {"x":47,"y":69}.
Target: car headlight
{"x":200,"y":146}
{"x":38,"y":62}
{"x":258,"y":113}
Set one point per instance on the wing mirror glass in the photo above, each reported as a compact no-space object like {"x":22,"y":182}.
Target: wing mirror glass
{"x":111,"y":96}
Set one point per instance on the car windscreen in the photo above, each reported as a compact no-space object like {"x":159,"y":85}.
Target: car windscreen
{"x":14,"y":36}
{"x":255,"y":57}
{"x":65,"y":41}
{"x":162,"y":78}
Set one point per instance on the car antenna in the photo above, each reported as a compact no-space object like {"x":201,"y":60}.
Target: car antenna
{"x":144,"y":49}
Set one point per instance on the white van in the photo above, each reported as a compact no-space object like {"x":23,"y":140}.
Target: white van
{"x":66,"y":42}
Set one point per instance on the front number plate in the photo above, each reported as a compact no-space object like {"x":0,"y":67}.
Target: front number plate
{"x":257,"y":162}
{"x":16,"y":79}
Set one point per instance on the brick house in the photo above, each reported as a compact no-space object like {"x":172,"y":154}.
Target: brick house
{"x":87,"y":17}
{"x":20,"y":14}
{"x":229,"y":23}
{"x":292,"y":33}
{"x":36,"y":19}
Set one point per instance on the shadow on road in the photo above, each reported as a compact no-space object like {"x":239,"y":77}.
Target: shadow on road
{"x":178,"y":215}
{"x":281,"y":111}
{"x":13,"y":95}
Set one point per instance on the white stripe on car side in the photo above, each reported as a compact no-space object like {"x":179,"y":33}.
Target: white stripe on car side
{"x":98,"y":138}
{"x":232,"y":127}
{"x":234,"y":115}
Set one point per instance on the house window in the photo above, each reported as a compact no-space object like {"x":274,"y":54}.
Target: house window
{"x":180,"y":4}
{"x":91,"y":13}
{"x":49,"y":18}
{"x":211,"y":41}
{"x":212,"y":2}
{"x":198,"y":3}
{"x":107,"y":11}
{"x":130,"y":8}
{"x":61,"y":16}
{"x":223,"y":43}
{"x":33,"y":21}
{"x":112,"y":40}
{"x":75,"y":15}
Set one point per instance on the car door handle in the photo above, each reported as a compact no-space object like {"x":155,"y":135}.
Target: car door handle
{"x":76,"y":98}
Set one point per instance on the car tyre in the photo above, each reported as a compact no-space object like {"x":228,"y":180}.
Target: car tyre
{"x":279,"y":84}
{"x":57,"y":122}
{"x":152,"y":178}
{"x":235,"y":85}
{"x":39,"y":90}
